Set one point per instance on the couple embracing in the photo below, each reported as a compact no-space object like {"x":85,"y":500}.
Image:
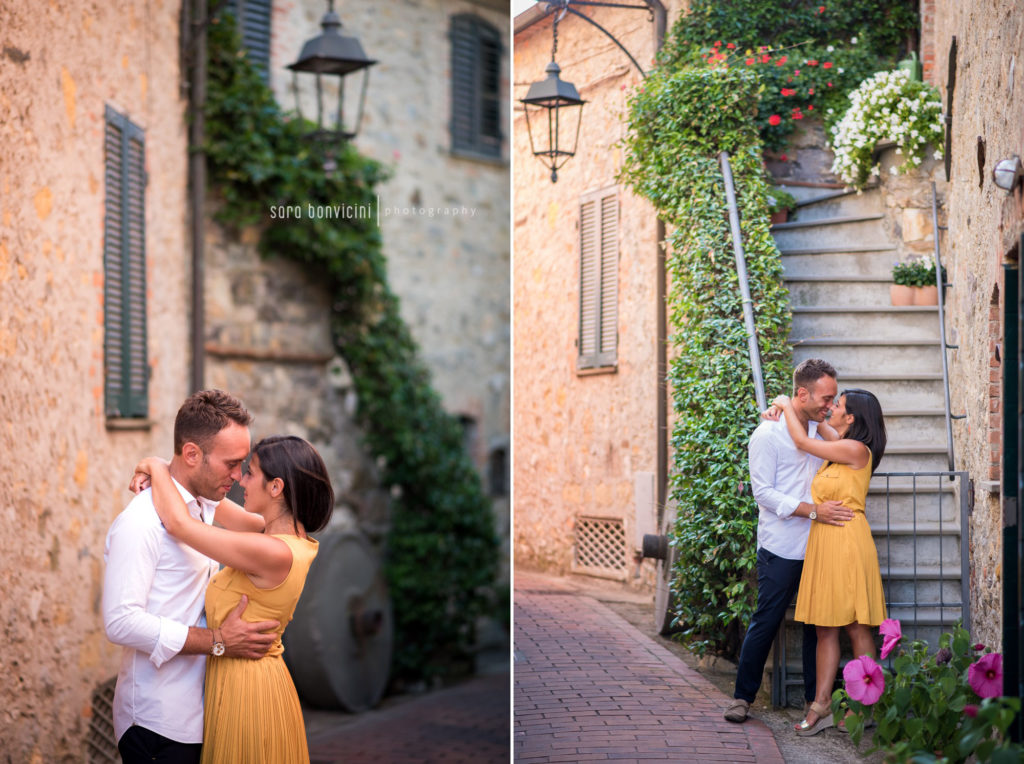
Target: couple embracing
{"x":810,"y":464}
{"x":201,"y":676}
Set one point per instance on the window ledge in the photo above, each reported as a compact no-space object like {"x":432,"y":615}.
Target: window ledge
{"x":126,"y":423}
{"x":594,"y":370}
{"x":478,"y":156}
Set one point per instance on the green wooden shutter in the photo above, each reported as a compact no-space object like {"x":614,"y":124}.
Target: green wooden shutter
{"x":124,"y":263}
{"x":252,"y":18}
{"x":599,"y":279}
{"x":476,"y":86}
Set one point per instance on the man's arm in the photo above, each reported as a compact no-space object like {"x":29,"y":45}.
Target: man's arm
{"x":241,"y":638}
{"x":132,"y":553}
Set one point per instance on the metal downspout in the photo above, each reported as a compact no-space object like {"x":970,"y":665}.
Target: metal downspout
{"x":661,"y":351}
{"x":197,"y":179}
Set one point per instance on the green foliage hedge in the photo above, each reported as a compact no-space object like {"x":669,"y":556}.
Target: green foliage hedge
{"x":442,"y":547}
{"x":678,"y":122}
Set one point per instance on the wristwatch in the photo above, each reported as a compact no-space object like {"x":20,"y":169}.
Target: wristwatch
{"x":813,"y":515}
{"x":218,"y":644}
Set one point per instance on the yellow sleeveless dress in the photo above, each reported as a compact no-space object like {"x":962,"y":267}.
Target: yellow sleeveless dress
{"x":841,"y":582}
{"x":252,"y":711}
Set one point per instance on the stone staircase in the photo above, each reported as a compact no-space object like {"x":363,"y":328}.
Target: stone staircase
{"x":837,"y":257}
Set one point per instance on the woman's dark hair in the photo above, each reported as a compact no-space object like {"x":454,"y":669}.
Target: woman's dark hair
{"x":868,"y":424}
{"x":307,"y":486}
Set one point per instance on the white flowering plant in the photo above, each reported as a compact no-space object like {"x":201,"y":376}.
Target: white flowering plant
{"x":888,"y":106}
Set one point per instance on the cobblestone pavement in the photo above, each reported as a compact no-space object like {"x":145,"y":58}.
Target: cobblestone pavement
{"x":589,"y":686}
{"x":464,"y":724}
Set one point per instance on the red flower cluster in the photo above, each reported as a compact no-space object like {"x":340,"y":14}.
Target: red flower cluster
{"x":781,"y":61}
{"x":827,"y":65}
{"x":774,"y":119}
{"x":788,"y":92}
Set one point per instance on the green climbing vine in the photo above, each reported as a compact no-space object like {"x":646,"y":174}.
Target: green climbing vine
{"x":678,"y":123}
{"x":442,"y":547}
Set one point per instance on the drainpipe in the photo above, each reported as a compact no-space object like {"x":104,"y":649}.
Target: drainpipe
{"x":197,"y":180}
{"x":661,"y":353}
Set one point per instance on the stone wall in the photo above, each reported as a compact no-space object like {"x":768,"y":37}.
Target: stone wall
{"x":65,"y":473}
{"x":581,"y":441}
{"x":268,"y":342}
{"x":444,"y":219}
{"x":985,"y":224}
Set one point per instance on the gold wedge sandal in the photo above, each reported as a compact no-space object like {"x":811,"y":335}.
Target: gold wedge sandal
{"x":804,"y":729}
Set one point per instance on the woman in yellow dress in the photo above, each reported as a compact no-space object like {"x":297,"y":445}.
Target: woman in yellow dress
{"x":252,"y":711}
{"x":841,"y":585}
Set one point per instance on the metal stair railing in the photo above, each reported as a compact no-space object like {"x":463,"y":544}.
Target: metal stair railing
{"x":941,"y":282}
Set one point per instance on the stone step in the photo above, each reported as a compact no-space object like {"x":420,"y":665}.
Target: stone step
{"x":916,"y":428}
{"x":831,"y":232}
{"x":924,"y":549}
{"x":922,"y":458}
{"x":885,"y":322}
{"x":818,"y":203}
{"x":860,"y":291}
{"x":896,"y":356}
{"x":901,"y":510}
{"x":900,"y":592}
{"x":897,"y":391}
{"x":850,"y":261}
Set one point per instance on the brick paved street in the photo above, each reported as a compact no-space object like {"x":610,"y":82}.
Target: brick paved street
{"x":588,"y":686}
{"x":465,"y":724}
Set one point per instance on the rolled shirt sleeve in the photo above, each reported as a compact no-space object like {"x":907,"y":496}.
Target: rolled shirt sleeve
{"x":132,"y":553}
{"x":764,"y":469}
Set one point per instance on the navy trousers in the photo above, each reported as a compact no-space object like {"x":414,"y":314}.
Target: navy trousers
{"x":777,"y":582}
{"x":138,"y":745}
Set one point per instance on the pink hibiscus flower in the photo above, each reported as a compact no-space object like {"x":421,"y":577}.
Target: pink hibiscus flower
{"x":891,"y":634}
{"x":864,"y":680}
{"x":986,"y":676}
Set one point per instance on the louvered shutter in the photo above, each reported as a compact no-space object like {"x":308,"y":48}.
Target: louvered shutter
{"x":476,"y":85}
{"x":599,"y":277}
{"x":124,"y":262}
{"x":252,"y":19}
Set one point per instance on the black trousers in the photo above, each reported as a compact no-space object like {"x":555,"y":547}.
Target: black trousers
{"x":777,"y":582}
{"x":139,"y":745}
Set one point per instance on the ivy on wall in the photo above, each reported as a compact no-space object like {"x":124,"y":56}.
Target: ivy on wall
{"x":678,"y":123}
{"x":442,"y":547}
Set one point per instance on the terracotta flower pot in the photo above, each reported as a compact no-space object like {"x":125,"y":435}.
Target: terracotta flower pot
{"x":928,"y":295}
{"x":781,"y":216}
{"x":901,"y":295}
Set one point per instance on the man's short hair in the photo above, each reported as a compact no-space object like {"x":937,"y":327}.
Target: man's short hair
{"x":810,"y":371}
{"x":204,"y":414}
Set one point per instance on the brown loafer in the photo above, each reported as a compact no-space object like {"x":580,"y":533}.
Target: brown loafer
{"x":737,"y":712}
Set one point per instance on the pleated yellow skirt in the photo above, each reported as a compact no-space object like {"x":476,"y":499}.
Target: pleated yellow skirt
{"x":252,"y":713}
{"x":841,"y":582}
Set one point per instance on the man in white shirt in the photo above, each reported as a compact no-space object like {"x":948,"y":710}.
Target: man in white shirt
{"x":154,"y":590}
{"x":780,"y":477}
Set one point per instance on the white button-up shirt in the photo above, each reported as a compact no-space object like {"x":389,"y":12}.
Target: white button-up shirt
{"x":154,"y":589}
{"x":780,"y":476}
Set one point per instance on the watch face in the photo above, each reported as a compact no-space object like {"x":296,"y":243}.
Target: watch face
{"x":218,"y":648}
{"x":813,"y":516}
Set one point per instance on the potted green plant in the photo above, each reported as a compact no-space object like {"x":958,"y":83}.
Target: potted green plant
{"x":914,"y":282}
{"x":780,"y":204}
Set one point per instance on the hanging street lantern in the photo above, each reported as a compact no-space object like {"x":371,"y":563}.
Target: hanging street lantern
{"x":331,"y":54}
{"x":550,"y":106}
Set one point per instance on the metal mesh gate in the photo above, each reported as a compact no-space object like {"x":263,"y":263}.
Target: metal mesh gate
{"x":101,"y":746}
{"x":600,"y":547}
